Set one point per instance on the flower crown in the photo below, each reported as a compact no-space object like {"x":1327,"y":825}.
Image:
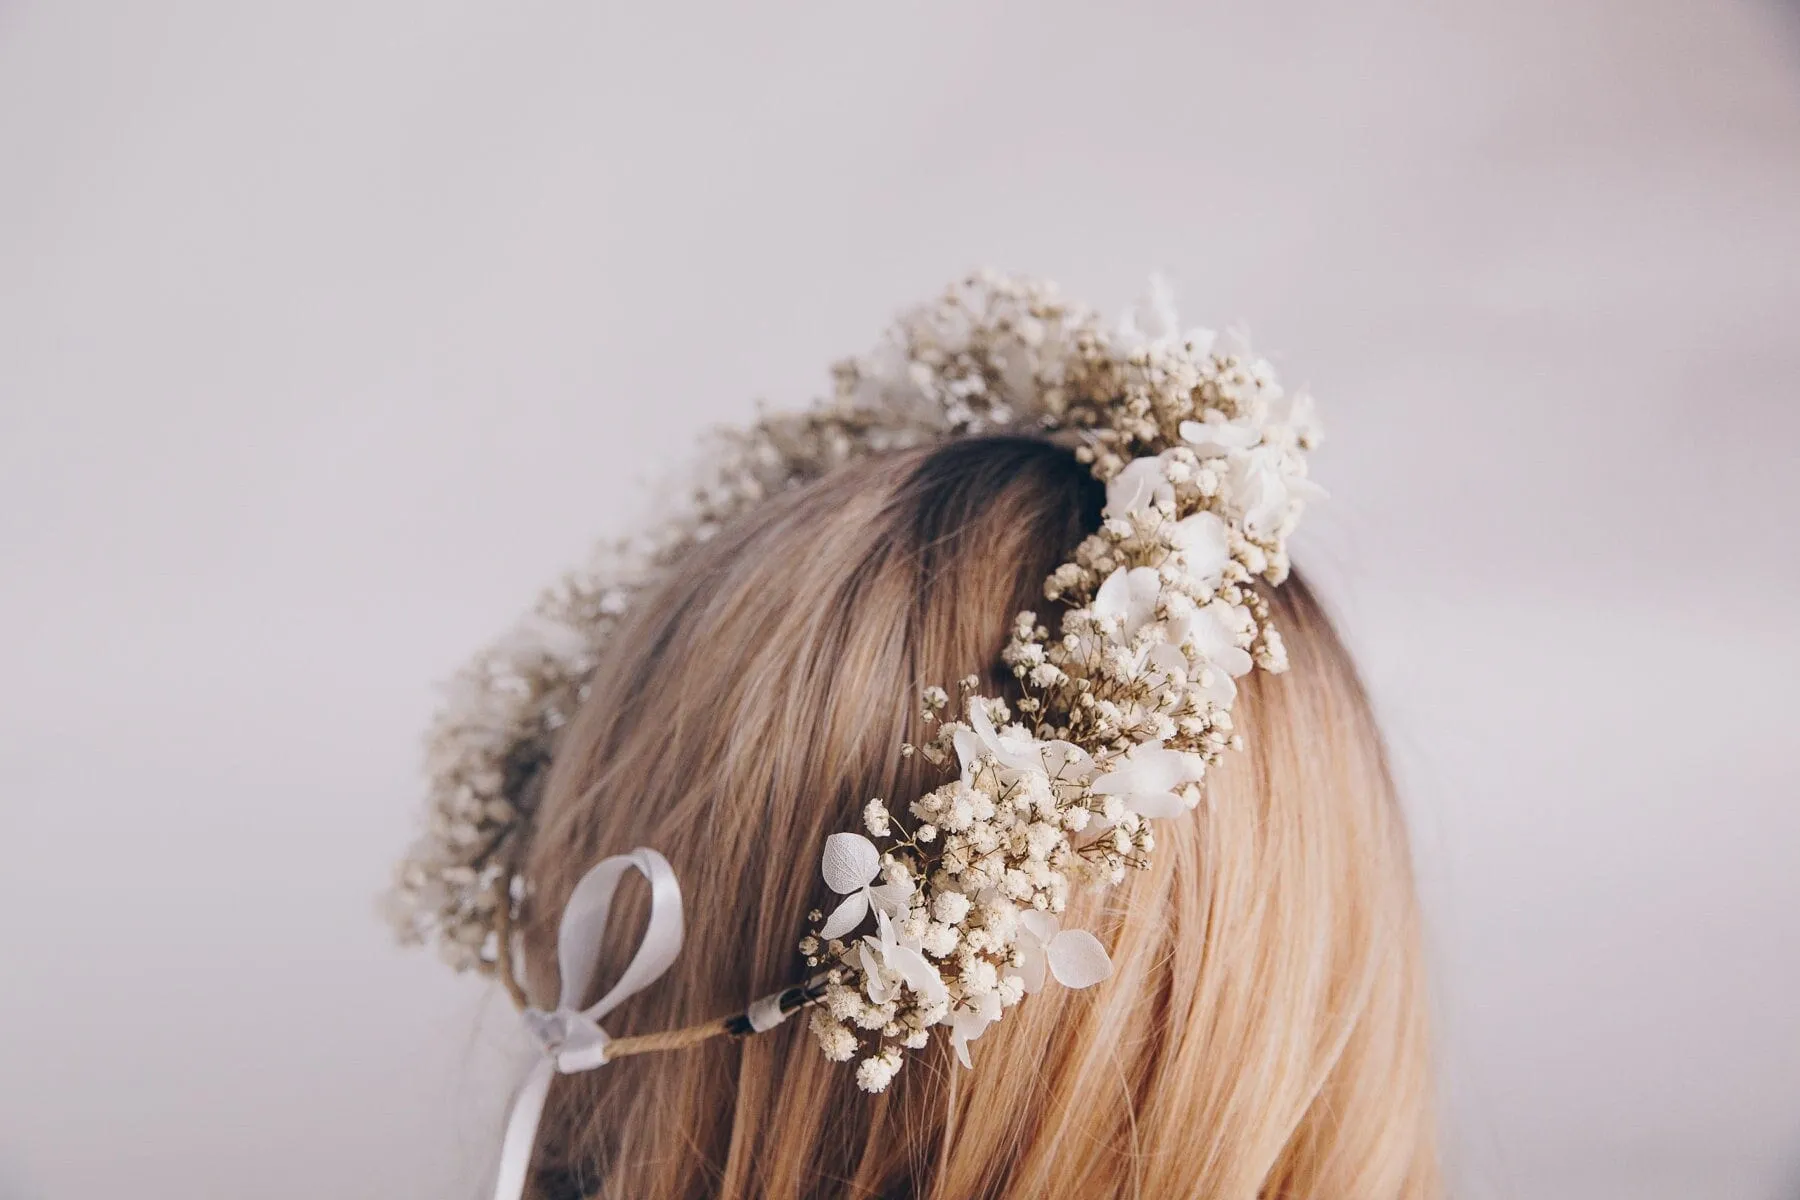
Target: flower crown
{"x":949,"y":910}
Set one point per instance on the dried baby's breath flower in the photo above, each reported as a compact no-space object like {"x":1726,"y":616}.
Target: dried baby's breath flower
{"x":875,"y":818}
{"x":873,"y":1074}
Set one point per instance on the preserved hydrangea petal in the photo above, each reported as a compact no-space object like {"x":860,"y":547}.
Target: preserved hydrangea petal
{"x":846,"y":916}
{"x":851,"y":864}
{"x":1140,"y":487}
{"x":851,"y":861}
{"x":969,"y":1022}
{"x":1129,"y":597}
{"x":1077,"y":959}
{"x":1149,"y":780}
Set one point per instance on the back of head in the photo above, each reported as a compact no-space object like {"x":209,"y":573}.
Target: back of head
{"x":1263,"y":1033}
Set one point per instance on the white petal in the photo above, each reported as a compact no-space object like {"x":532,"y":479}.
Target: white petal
{"x":1212,"y":633}
{"x":1030,"y":970}
{"x":982,"y":721}
{"x":920,"y":975}
{"x":1207,"y":632}
{"x":1221,"y":691}
{"x":1121,"y":781}
{"x":1149,"y":778}
{"x":846,"y":916}
{"x":1129,"y":596}
{"x":1169,"y":769}
{"x":1299,"y":412}
{"x":851,"y":861}
{"x":1161,"y":805}
{"x":885,"y":929}
{"x":968,"y":1024}
{"x":1110,"y":600}
{"x":1146,"y":587}
{"x":873,"y":984}
{"x":1210,"y":438}
{"x":959,"y":1038}
{"x":1019,"y":751}
{"x":1007,"y":749}
{"x":1041,"y":926}
{"x":1204,"y":549}
{"x":1137,"y":487}
{"x":1236,"y":660}
{"x":1191,"y":769}
{"x":968,"y":750}
{"x":1077,"y":959}
{"x":1146,"y":769}
{"x":1065,"y":761}
{"x":1259,"y":492}
{"x":892,"y":899}
{"x":1263,"y":515}
{"x":1169,"y":659}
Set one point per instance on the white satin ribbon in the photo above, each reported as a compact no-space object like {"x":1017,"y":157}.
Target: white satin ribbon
{"x":572,"y":1038}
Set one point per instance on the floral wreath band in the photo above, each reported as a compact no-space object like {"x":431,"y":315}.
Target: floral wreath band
{"x":948,"y":912}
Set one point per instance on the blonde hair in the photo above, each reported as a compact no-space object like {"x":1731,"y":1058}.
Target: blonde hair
{"x":1264,"y":1033}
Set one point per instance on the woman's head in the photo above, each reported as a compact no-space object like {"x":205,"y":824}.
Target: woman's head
{"x":1263,"y":1032}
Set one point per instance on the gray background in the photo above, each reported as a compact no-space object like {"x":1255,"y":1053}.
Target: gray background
{"x":328,"y":333}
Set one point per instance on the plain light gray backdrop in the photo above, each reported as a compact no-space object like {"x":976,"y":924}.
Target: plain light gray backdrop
{"x":329,"y":333}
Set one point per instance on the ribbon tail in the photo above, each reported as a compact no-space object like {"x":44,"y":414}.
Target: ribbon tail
{"x":521,"y":1133}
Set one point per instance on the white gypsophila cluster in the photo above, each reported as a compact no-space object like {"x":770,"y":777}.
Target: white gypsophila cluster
{"x":1122,"y":708}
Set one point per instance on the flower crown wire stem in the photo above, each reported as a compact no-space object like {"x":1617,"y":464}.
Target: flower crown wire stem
{"x":737,"y":1025}
{"x":671,"y":1039}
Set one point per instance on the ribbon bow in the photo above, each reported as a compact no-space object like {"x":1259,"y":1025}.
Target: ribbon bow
{"x":571,"y":1037}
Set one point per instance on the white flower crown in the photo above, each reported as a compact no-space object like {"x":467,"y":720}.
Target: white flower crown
{"x":1125,"y":704}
